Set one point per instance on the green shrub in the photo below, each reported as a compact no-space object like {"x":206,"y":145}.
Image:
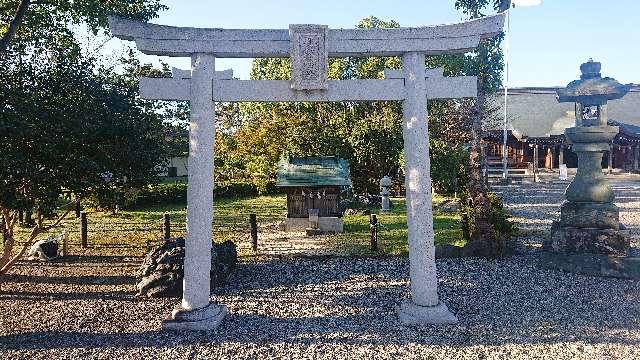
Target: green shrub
{"x":503,"y":228}
{"x":448,"y":166}
{"x":165,"y":193}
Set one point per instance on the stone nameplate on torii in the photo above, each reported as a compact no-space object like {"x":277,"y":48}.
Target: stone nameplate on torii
{"x":309,"y":47}
{"x":309,"y":57}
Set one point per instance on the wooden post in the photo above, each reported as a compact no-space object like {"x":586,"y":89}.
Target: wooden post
{"x":65,"y":245}
{"x":77,"y":208}
{"x":610,"y":158}
{"x":254,"y":231}
{"x":535,"y":163}
{"x":373,"y":221}
{"x":83,"y":230}
{"x":20,"y":217}
{"x":4,"y":230}
{"x":167,"y":226}
{"x":561,"y":155}
{"x":28,"y":217}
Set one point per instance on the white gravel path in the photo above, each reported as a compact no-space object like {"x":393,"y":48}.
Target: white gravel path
{"x":336,"y":308}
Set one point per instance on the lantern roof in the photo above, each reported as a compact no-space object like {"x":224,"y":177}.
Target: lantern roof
{"x":592,"y":88}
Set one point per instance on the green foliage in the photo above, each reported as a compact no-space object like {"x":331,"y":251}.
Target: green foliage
{"x":62,"y":127}
{"x":503,"y":228}
{"x":49,"y":23}
{"x":449,"y":166}
{"x":161,"y":194}
{"x":369,"y":135}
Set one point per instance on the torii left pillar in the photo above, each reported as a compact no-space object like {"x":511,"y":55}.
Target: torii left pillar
{"x":196,"y":312}
{"x":424,"y":306}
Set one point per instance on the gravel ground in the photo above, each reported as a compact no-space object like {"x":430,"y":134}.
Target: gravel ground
{"x":336,"y":308}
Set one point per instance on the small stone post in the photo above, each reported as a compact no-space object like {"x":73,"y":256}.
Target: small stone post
{"x":77,"y":208}
{"x":385,"y":184}
{"x":196,"y":312}
{"x":424,"y":306}
{"x":65,"y":245}
{"x":28,"y":217}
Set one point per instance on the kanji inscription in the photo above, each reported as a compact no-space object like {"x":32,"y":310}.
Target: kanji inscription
{"x":309,"y":57}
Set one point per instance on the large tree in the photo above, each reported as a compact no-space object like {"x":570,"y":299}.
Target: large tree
{"x":67,"y":122}
{"x":367,"y":133}
{"x":487,"y":64}
{"x":64,"y":128}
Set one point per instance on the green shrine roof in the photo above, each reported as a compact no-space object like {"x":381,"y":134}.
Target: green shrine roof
{"x":313,"y":171}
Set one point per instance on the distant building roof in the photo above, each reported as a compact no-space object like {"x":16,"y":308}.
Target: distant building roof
{"x":535,"y":112}
{"x":313,"y":171}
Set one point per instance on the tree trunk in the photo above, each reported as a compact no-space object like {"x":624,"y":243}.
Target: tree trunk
{"x":14,"y":24}
{"x":7,"y":261}
{"x":481,"y":242}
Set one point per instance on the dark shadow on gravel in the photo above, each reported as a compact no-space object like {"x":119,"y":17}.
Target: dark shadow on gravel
{"x":361,"y":329}
{"x":69,"y":280}
{"x":44,"y":296}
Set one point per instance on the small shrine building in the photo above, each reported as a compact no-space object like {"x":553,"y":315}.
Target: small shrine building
{"x":313,"y":183}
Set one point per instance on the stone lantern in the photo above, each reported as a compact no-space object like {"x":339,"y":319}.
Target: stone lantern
{"x":385,"y":184}
{"x":589,"y":222}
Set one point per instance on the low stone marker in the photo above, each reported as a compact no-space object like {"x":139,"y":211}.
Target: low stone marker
{"x":563,"y":172}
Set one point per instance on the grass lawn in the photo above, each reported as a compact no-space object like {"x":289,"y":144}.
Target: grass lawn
{"x":128,"y":232}
{"x":392,"y":231}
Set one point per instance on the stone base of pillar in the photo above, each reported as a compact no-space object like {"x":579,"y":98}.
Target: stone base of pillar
{"x":207,"y":318}
{"x":412,"y":314}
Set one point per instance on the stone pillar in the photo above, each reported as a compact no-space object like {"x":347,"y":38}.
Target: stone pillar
{"x":196,"y":312}
{"x":424,"y":306}
{"x":385,"y":184}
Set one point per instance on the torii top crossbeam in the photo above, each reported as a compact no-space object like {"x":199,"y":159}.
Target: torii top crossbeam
{"x":164,"y":40}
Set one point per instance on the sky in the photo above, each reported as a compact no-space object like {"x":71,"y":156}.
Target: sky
{"x":547,"y":43}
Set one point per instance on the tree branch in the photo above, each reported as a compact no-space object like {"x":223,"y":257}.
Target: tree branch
{"x":58,"y":220}
{"x":34,"y":233}
{"x":14,"y":24}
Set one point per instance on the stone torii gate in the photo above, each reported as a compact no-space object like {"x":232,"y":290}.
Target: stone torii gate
{"x":309,"y":47}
